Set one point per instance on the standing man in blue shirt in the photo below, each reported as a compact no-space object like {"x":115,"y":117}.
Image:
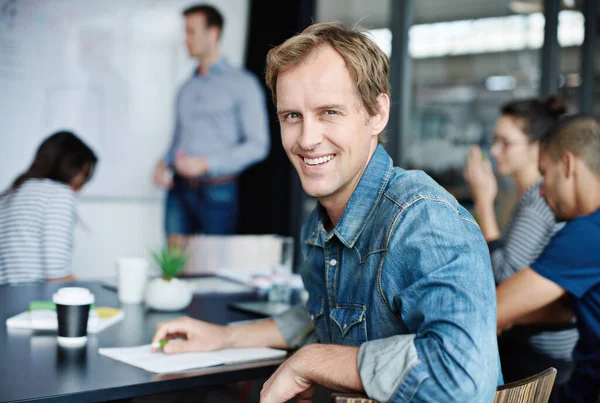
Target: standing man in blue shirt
{"x":568,"y":270}
{"x":401,"y":294}
{"x":221,"y":128}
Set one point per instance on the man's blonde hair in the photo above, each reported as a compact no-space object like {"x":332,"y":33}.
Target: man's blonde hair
{"x":367,"y":64}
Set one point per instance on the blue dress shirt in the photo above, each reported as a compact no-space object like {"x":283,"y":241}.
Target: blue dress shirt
{"x":221,"y":116}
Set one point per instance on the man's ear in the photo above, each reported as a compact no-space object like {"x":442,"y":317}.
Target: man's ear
{"x":569,"y":161}
{"x":380,"y":119}
{"x":215,"y":33}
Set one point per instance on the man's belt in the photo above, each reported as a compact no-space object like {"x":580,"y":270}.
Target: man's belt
{"x":203,"y":182}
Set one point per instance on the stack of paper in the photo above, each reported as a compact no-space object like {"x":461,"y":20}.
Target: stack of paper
{"x":143,"y":357}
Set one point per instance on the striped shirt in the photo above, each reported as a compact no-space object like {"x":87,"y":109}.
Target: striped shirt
{"x":36,"y":232}
{"x":531,"y":227}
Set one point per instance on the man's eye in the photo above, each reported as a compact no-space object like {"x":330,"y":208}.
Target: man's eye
{"x":293,"y":115}
{"x":331,"y":113}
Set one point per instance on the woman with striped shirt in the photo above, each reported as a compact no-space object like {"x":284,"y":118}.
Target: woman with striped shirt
{"x":37,"y":213}
{"x":524,"y":351}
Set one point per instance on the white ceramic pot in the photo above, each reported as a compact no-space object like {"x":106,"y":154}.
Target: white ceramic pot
{"x":163,"y":295}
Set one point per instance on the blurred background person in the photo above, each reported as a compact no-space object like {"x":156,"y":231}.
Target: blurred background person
{"x":38,"y":212}
{"x":220,"y":129}
{"x":568,"y":269}
{"x":515,"y":149}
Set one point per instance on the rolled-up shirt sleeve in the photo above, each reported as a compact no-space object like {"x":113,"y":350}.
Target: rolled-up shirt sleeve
{"x":449,"y":308}
{"x":296,"y":327}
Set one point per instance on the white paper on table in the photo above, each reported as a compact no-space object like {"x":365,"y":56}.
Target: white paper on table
{"x":46,"y":320}
{"x":159,"y":363}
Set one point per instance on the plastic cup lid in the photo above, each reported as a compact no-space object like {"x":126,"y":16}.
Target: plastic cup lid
{"x":73,"y":296}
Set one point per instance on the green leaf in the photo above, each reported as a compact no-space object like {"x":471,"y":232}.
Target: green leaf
{"x":171,"y":262}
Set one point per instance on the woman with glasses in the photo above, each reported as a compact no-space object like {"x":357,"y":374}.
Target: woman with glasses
{"x":524,"y":351}
{"x":38,"y":214}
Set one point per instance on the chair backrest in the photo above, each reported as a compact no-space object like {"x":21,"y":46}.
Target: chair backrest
{"x":535,"y":389}
{"x":343,"y":398}
{"x":209,"y":254}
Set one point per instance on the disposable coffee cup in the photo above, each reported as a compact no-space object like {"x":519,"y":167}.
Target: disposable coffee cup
{"x":72,"y":311}
{"x":133,"y":274}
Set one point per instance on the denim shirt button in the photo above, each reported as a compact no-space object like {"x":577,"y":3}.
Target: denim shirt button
{"x":312,"y":317}
{"x":332,"y":262}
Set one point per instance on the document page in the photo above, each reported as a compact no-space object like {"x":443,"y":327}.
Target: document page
{"x":159,"y":363}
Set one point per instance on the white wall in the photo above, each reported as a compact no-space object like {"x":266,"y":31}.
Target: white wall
{"x":109,"y":70}
{"x":109,"y":229}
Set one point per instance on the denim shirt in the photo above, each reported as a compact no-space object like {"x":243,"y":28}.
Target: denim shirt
{"x":406,"y":275}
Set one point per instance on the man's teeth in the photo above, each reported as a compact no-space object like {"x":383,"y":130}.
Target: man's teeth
{"x":317,"y":161}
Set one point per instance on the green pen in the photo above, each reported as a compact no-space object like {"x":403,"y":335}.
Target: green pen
{"x":160,"y":344}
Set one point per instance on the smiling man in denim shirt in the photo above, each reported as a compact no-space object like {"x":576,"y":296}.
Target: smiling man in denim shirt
{"x":401,"y":294}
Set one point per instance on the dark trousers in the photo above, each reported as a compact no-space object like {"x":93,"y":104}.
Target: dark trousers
{"x":194,"y":208}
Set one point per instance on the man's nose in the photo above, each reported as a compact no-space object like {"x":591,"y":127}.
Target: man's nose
{"x":311,"y":136}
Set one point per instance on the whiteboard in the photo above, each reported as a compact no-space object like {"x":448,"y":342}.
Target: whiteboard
{"x":107,"y":70}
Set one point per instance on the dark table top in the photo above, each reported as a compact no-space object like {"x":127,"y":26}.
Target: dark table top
{"x":34,"y":368}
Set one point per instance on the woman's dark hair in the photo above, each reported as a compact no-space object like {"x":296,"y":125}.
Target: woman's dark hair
{"x":535,"y":116}
{"x":60,"y":157}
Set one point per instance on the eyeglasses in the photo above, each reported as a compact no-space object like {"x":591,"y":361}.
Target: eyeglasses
{"x":503,"y":144}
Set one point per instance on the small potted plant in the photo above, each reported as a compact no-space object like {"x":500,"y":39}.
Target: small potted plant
{"x":168,"y":293}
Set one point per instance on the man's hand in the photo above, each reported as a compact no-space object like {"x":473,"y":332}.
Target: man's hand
{"x":197,"y":335}
{"x":190,"y":167}
{"x":289,"y":381}
{"x":162,"y":176}
{"x":480,"y":177}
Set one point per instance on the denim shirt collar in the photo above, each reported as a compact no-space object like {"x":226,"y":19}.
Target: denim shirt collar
{"x":360,"y":207}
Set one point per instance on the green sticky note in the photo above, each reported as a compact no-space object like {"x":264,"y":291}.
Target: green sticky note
{"x":42,"y":306}
{"x":46,"y":306}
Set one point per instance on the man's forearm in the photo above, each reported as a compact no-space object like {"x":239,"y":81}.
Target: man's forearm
{"x":554,"y":313}
{"x":256,"y":334}
{"x":333,"y":366}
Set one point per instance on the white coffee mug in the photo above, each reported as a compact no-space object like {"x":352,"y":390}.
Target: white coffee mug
{"x":133,"y":275}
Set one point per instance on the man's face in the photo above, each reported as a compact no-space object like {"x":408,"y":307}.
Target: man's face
{"x":557,"y":189}
{"x":325,"y":130}
{"x":199,"y":39}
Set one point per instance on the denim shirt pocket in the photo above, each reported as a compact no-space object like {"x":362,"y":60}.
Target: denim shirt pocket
{"x":351,"y":322}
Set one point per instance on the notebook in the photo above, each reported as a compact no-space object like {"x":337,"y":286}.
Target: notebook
{"x":159,"y":363}
{"x":45,"y":319}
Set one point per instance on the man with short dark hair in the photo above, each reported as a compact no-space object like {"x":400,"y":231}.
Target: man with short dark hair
{"x":569,"y":266}
{"x":221,"y":128}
